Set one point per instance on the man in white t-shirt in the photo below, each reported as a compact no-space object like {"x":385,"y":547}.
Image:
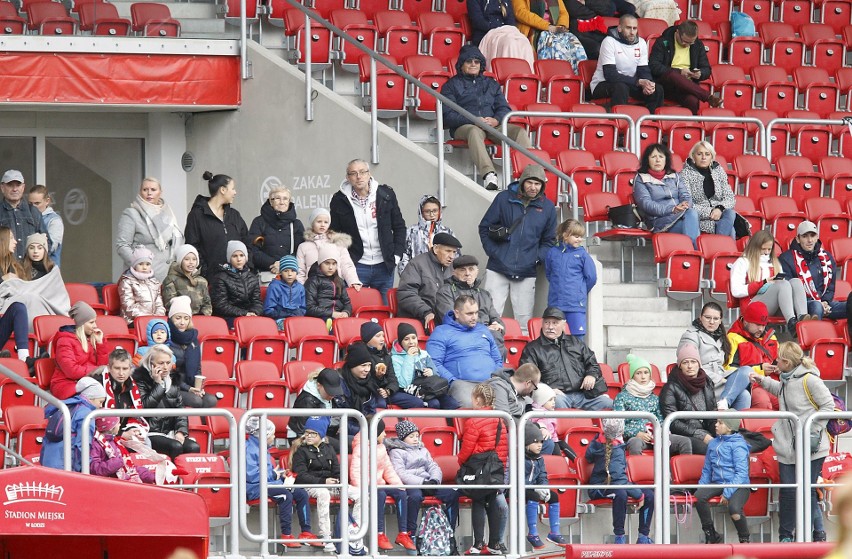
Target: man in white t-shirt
{"x":622,"y":71}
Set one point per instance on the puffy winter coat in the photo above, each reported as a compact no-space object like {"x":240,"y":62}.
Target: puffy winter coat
{"x":133,"y":232}
{"x":486,"y":15}
{"x":564,"y":363}
{"x":195,"y":287}
{"x":159,"y":323}
{"x":479,"y":95}
{"x":284,"y":300}
{"x":309,"y":398}
{"x":236,"y":293}
{"x":210,"y":235}
{"x":187,"y":352}
{"x":663,"y":51}
{"x":72,"y":363}
{"x":419,"y":285}
{"x":51,"y":451}
{"x":387,"y":381}
{"x":413,"y":464}
{"x":274,"y":234}
{"x":788,"y":265}
{"x":535,"y":470}
{"x":418,"y":237}
{"x":656,"y":199}
{"x":308,"y":254}
{"x":139,"y":297}
{"x":454,"y":288}
{"x":315,"y":464}
{"x":463,"y":353}
{"x":722,"y":193}
{"x":726,"y":461}
{"x":154,"y":395}
{"x":750,"y":351}
{"x":323,"y":295}
{"x":480,"y":435}
{"x":674,"y":397}
{"x":253,"y":469}
{"x":571,"y":275}
{"x":531,"y":238}
{"x":389,"y":221}
{"x":384,"y":474}
{"x":793,"y":398}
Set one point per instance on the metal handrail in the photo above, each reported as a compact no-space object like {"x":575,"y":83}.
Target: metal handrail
{"x":345,"y":414}
{"x":806,"y":486}
{"x":782,"y":121}
{"x":236,"y":472}
{"x":635,"y":142}
{"x":374,"y":57}
{"x":60,"y":405}
{"x":515,"y":547}
{"x":664,"y":441}
{"x":532,"y":415}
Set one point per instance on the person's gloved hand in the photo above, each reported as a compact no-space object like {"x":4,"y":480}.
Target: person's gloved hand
{"x":543,"y":494}
{"x":431,"y":482}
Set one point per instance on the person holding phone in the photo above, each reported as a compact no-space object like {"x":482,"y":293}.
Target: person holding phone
{"x":679,"y":62}
{"x":758,"y":276}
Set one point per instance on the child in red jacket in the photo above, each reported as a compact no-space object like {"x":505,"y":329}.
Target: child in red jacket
{"x":482,"y":434}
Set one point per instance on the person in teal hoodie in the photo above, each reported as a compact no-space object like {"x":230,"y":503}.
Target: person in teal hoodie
{"x":285,"y":296}
{"x":726,"y":462}
{"x":411,"y":362}
{"x":571,"y":275}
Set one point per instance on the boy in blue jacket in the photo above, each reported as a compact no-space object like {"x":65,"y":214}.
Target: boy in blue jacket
{"x":276,"y":488}
{"x":571,"y":275}
{"x":536,"y":474}
{"x":285,"y":296}
{"x":726,"y":461}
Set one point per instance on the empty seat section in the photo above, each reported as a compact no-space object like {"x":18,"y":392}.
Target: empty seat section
{"x":152,"y":19}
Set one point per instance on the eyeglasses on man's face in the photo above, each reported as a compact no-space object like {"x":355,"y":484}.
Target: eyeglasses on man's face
{"x":363,"y":173}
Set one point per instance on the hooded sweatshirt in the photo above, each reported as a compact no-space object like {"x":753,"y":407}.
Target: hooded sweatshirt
{"x":479,"y":95}
{"x":621,"y":60}
{"x":419,"y":237}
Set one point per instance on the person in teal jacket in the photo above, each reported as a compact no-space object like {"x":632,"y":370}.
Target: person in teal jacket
{"x":726,"y":462}
{"x":571,"y":274}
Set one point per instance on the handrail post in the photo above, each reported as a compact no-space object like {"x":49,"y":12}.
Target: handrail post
{"x":439,"y":133}
{"x":243,"y":45}
{"x":374,"y":115}
{"x":309,"y":102}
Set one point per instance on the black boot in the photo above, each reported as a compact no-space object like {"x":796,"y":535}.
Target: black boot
{"x":745,"y":538}
{"x":742,"y":529}
{"x":712,"y":536}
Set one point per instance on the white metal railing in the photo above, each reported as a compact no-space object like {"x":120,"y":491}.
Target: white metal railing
{"x":805,"y":463}
{"x":778,"y":122}
{"x":636,"y":131}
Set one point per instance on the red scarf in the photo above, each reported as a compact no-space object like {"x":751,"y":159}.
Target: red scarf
{"x":594,"y":24}
{"x":128,"y":471}
{"x":804,"y":273}
{"x":135,"y":396}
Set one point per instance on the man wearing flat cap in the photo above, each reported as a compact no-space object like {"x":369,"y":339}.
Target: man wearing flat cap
{"x":16,"y":213}
{"x":567,"y":365}
{"x":466,"y":281}
{"x":424,"y":275}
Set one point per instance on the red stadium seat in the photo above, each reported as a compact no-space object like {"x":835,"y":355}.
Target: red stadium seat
{"x":443,"y":39}
{"x":786,"y":51}
{"x":217,"y":342}
{"x":348,"y":331}
{"x":777,"y":92}
{"x":296,"y":375}
{"x":390,"y":87}
{"x":101,"y":18}
{"x":416,"y":7}
{"x":152,"y":19}
{"x":841,"y":250}
{"x":562,"y":86}
{"x":819,"y":93}
{"x":116,"y":333}
{"x":259,"y":337}
{"x":760,"y":11}
{"x":796,"y":12}
{"x":829,"y":217}
{"x":798,"y":174}
{"x":520,"y":85}
{"x":326,"y":8}
{"x":714,"y":11}
{"x":111,"y":298}
{"x":293,"y":21}
{"x":837,"y":173}
{"x":355,"y":24}
{"x":581,"y":166}
{"x":140,"y":327}
{"x":783,"y":217}
{"x":309,"y":338}
{"x":261,"y":384}
{"x":399,"y":37}
{"x":650,"y":131}
{"x":49,"y":18}
{"x":45,"y":327}
{"x":367,"y":303}
{"x":837,"y":14}
{"x":220,"y":383}
{"x":756,"y":176}
{"x":10,"y":22}
{"x":819,"y":338}
{"x":719,"y":253}
{"x":85,"y":292}
{"x":680,"y":272}
{"x":824,"y":49}
{"x":428,"y":70}
{"x":596,"y":135}
{"x":620,"y":168}
{"x":683,"y":136}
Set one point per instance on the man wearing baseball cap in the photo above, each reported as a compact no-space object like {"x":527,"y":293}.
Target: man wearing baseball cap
{"x":323,"y":390}
{"x":18,"y":214}
{"x":754,"y":345}
{"x":424,"y":275}
{"x":809,"y":261}
{"x":567,"y":365}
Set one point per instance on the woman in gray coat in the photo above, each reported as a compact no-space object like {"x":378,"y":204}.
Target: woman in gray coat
{"x":149,"y":222}
{"x":802,"y":392}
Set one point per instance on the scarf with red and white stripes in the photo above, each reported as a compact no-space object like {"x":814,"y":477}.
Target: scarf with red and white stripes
{"x":804,"y":273}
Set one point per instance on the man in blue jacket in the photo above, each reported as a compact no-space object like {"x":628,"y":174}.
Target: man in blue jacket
{"x":483,"y":97}
{"x":464,"y":350}
{"x":516,"y":233}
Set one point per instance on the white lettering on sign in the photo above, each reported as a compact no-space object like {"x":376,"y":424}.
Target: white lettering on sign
{"x":596,"y":554}
{"x":310,"y":201}
{"x":311,"y":182}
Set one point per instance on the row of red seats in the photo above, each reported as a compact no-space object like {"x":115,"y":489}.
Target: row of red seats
{"x":97,"y":17}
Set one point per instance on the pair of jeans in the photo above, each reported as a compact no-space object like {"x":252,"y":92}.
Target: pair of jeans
{"x":688,"y":225}
{"x":450,"y":498}
{"x":285,"y":499}
{"x":399,"y":497}
{"x":619,"y":507}
{"x":837,"y":309}
{"x":725,"y":224}
{"x":735,"y":392}
{"x":787,"y":499}
{"x":577,"y":400}
{"x":496,"y":509}
{"x":736,"y":503}
{"x":620,"y":93}
{"x":376,"y":276}
{"x":15,"y":321}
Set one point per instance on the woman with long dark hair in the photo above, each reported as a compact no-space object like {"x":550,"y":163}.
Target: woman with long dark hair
{"x":708,"y":334}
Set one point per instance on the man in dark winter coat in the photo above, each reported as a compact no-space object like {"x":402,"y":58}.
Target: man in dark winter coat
{"x":483,"y":97}
{"x":679,"y":62}
{"x":17,"y":214}
{"x":424,"y":276}
{"x":567,"y":365}
{"x":369,"y":213}
{"x":622,"y":71}
{"x":516,"y":232}
{"x":512,"y":387}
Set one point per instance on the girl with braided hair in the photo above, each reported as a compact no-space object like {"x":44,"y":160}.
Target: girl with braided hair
{"x":608,"y":458}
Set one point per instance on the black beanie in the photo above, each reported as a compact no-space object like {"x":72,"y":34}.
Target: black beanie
{"x":357,"y":355}
{"x":404,"y":329}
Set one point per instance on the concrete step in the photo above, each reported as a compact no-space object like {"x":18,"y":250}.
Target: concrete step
{"x":644,"y":304}
{"x":639,"y":318}
{"x":644,"y":336}
{"x":632,"y":290}
{"x":659,"y":356}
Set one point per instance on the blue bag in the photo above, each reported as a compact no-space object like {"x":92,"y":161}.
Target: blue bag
{"x":742,"y":25}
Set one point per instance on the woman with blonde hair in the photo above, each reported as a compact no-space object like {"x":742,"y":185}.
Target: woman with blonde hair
{"x":802,"y":392}
{"x":757,"y":276}
{"x":78,"y":349}
{"x":712,"y":196}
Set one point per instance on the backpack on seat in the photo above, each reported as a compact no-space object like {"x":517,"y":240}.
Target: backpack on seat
{"x":742,"y":25}
{"x":435,"y":536}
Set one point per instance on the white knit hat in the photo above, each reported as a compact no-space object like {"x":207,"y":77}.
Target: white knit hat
{"x":180,"y":305}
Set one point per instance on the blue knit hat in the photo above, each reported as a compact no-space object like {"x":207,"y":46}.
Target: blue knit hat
{"x":318,"y":424}
{"x":288,"y":262}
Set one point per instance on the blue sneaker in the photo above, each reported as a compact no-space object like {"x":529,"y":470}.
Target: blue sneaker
{"x":535,"y":541}
{"x":620,"y":539}
{"x":644,"y":539}
{"x":558,"y":539}
{"x":787,"y":540}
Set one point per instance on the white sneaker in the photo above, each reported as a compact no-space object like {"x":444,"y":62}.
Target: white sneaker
{"x":329,"y":547}
{"x":490,"y":181}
